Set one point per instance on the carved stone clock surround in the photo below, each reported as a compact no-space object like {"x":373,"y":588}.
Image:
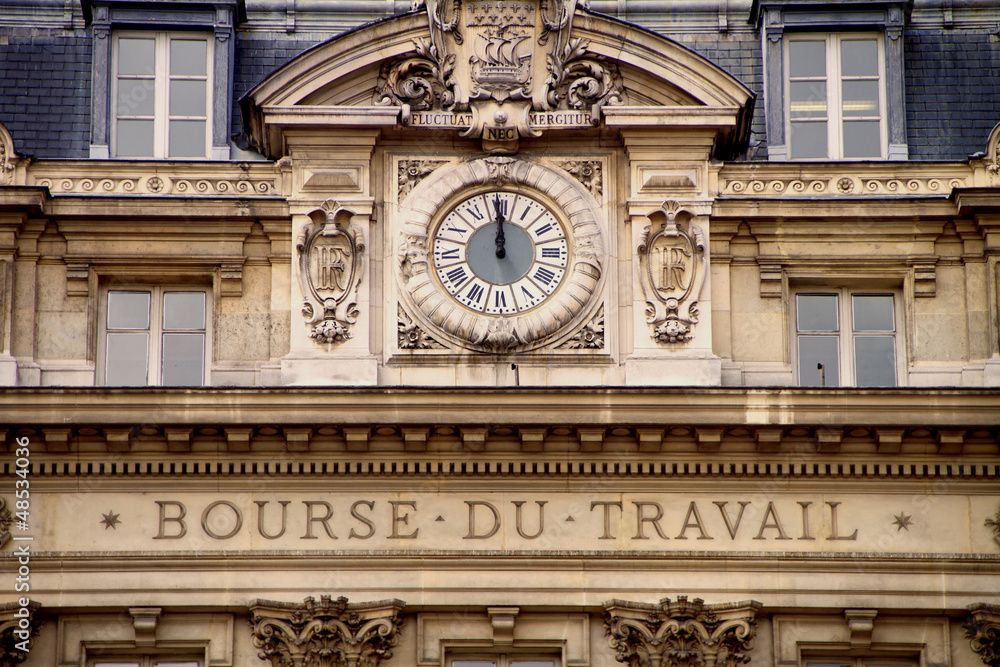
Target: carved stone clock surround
{"x":549,"y":324}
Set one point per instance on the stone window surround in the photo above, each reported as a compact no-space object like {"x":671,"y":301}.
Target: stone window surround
{"x":776,"y":17}
{"x":146,"y":631}
{"x":155,"y":329}
{"x":861,"y":633}
{"x":442,"y":636}
{"x":218,"y":17}
{"x":844,"y":293}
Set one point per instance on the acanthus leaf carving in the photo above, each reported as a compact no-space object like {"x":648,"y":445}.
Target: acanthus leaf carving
{"x":982,"y":629}
{"x":327,"y":633}
{"x":331,"y":264}
{"x":672,"y":271}
{"x":681,"y":633}
{"x":588,"y":172}
{"x":578,"y":79}
{"x":19,"y":625}
{"x":412,"y":172}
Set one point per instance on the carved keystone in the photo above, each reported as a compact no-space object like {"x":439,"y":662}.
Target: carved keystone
{"x":681,"y":633}
{"x":328,"y":633}
{"x":145,"y":620}
{"x":861,"y":622}
{"x":982,"y":629}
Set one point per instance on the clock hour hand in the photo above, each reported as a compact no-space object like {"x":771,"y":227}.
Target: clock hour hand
{"x":501,"y":251}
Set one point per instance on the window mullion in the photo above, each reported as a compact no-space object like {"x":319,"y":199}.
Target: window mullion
{"x":162,"y":85}
{"x":156,"y":337}
{"x":848,"y":364}
{"x":834,"y":111}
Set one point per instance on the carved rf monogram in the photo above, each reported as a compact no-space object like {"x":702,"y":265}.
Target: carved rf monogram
{"x":330,"y":269}
{"x":672,"y":259}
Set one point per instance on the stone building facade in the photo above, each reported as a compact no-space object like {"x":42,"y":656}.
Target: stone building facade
{"x":499,"y":333}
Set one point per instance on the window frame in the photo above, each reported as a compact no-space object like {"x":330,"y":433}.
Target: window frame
{"x":846,"y":335}
{"x":504,"y":658}
{"x":134,"y":659}
{"x":216,"y":19}
{"x":154,"y":344}
{"x":834,"y":78}
{"x":162,"y":79}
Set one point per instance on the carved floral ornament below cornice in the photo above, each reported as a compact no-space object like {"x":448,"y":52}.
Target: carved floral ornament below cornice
{"x":681,"y":633}
{"x":327,"y":633}
{"x":982,"y":629}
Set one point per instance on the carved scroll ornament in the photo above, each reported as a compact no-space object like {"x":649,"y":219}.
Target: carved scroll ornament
{"x":519,"y":52}
{"x":982,"y":629}
{"x":331,"y":264}
{"x":681,"y":633}
{"x":328,"y":633}
{"x":672,"y":267}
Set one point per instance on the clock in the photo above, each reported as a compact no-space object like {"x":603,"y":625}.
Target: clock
{"x":499,"y":255}
{"x":500,"y":252}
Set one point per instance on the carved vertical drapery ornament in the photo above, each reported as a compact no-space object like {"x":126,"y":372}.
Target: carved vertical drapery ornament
{"x":982,"y":629}
{"x":994,"y":525}
{"x":681,"y":633}
{"x":8,"y":157}
{"x":672,"y":271}
{"x":327,"y":633}
{"x":331,"y":265}
{"x":18,"y":628}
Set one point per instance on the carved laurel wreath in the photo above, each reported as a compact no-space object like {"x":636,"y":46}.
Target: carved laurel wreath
{"x":435,"y":310}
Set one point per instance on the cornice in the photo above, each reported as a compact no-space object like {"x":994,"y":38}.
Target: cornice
{"x":713,"y":431}
{"x":723,"y":406}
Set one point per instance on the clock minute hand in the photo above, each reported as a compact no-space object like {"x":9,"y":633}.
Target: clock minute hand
{"x":501,"y":250}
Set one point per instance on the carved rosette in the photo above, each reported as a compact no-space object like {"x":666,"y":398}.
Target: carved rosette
{"x":982,"y":629}
{"x":672,"y":272}
{"x":331,"y":264}
{"x":409,"y":335}
{"x":681,"y":633}
{"x":590,"y":337}
{"x":328,"y":633}
{"x":18,"y":628}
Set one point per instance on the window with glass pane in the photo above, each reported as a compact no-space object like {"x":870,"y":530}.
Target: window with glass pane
{"x":162,"y":95}
{"x":835,"y":97}
{"x":155,"y":336}
{"x":874,"y":340}
{"x":845,"y":338}
{"x":145,"y":661}
{"x":504,"y":660}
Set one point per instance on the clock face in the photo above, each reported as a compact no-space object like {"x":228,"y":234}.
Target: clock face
{"x":500,"y":252}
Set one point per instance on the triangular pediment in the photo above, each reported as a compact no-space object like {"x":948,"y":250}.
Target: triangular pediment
{"x":502,"y":59}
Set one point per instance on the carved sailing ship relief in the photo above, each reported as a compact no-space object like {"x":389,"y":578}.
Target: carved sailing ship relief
{"x":331,"y":253}
{"x":500,"y":70}
{"x":671,"y":258}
